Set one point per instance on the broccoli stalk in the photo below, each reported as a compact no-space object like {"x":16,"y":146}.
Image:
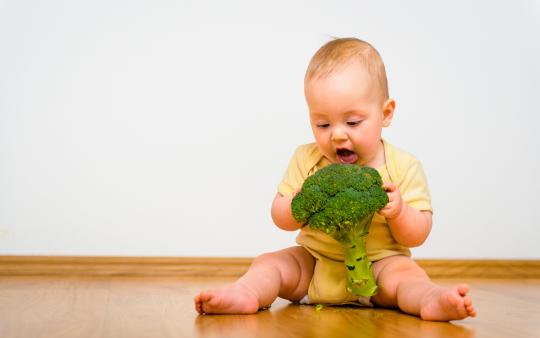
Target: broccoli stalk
{"x":360,"y":278}
{"x":341,"y":199}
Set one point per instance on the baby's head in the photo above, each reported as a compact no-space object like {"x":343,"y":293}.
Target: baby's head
{"x":336,"y":54}
{"x":347,"y":94}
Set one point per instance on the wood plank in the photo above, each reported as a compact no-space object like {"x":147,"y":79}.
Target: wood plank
{"x":233,"y":267}
{"x":122,"y":266}
{"x":480,"y":268}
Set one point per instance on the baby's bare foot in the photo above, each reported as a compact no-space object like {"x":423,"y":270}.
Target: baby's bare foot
{"x":230,"y":299}
{"x":447,"y":304}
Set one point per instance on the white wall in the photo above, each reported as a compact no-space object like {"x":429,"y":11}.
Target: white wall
{"x":163,"y":127}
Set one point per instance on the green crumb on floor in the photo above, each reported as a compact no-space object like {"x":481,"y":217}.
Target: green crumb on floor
{"x":318,"y":307}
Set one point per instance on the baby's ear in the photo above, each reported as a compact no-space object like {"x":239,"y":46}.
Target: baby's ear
{"x":388,"y":112}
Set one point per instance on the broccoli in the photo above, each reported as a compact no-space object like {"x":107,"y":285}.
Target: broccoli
{"x":341,"y":199}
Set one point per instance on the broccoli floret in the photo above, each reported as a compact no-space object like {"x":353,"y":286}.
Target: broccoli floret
{"x":341,"y":199}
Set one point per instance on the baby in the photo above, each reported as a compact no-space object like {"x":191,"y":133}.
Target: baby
{"x":347,"y":95}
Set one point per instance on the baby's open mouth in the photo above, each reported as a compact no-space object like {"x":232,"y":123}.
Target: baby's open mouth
{"x":346,"y":156}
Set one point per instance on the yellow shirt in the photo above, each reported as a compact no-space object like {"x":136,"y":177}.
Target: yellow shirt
{"x":400,"y":168}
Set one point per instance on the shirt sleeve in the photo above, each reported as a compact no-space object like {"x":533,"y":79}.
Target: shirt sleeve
{"x":295,"y":175}
{"x":414,"y":189}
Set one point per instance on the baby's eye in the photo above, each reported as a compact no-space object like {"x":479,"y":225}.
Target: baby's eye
{"x":323,"y":125}
{"x":354,"y":123}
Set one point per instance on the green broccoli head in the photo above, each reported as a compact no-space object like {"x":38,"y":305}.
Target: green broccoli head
{"x":340,"y":199}
{"x":338,"y":196}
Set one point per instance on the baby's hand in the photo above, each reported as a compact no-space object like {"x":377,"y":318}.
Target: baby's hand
{"x":395,"y":204}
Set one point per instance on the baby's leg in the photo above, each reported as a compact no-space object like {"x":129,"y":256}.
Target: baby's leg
{"x":402,"y":283}
{"x":285,"y":273}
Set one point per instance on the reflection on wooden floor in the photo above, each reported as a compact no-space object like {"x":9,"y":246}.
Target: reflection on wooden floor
{"x":162,"y":307}
{"x":287,"y":320}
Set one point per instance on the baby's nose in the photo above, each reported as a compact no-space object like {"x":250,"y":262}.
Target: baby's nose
{"x":338,"y":134}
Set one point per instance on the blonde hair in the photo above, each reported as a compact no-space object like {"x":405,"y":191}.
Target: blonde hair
{"x":338,"y":52}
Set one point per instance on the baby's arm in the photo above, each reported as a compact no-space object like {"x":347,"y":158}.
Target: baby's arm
{"x":282,"y":214}
{"x":409,"y":226}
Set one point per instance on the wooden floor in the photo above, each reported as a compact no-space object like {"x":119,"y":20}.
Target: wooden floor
{"x":162,"y":307}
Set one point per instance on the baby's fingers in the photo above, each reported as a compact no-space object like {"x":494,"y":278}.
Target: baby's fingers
{"x":387,"y":210}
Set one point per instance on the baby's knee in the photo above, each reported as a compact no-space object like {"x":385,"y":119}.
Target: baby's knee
{"x":265,"y":259}
{"x":276,"y":259}
{"x":294,"y":256}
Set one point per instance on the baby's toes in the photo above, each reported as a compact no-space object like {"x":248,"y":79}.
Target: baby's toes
{"x":201,"y":299}
{"x":197,"y":302}
{"x":470,"y":309}
{"x":467,"y":303}
{"x":462,"y":289}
